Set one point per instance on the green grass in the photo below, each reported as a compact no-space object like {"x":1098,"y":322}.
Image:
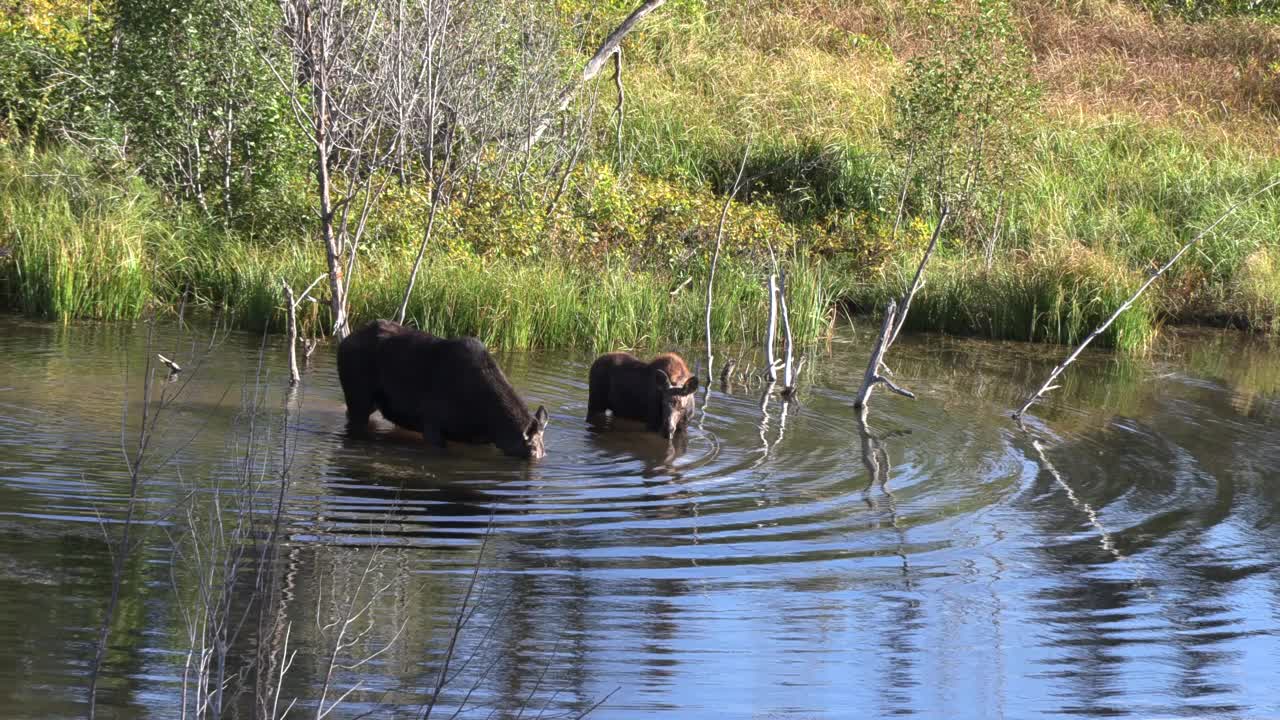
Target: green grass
{"x":1049,"y":297}
{"x":1257,"y":290}
{"x":78,"y":242}
{"x":511,"y":302}
{"x":1137,"y":194}
{"x":85,"y":246}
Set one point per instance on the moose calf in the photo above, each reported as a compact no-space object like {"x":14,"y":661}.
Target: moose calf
{"x":445,"y":389}
{"x":661,"y":393}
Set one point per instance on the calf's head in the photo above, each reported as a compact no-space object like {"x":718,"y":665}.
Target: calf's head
{"x":530,"y":446}
{"x":677,"y":402}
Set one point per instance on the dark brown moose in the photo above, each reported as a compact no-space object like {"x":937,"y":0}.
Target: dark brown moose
{"x":445,"y":389}
{"x":661,"y":392}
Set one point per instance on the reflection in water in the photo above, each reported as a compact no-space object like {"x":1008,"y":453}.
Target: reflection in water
{"x":781,"y":559}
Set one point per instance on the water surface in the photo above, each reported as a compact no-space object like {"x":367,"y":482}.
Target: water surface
{"x":1117,"y":557}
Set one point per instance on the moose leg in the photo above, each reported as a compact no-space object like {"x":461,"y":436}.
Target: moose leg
{"x":598,"y":393}
{"x":432,"y":435}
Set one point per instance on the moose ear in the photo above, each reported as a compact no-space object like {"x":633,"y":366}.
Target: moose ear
{"x":662,"y":379}
{"x":541,"y":417}
{"x":690,"y":386}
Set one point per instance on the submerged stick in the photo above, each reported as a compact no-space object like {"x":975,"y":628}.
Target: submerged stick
{"x":873,"y":376}
{"x":1048,"y":384}
{"x":726,"y":373}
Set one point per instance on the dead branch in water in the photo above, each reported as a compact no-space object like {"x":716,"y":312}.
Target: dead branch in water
{"x":893,"y":322}
{"x":873,"y":376}
{"x":715,"y":257}
{"x":771,"y":336}
{"x":1048,"y":384}
{"x":174,"y":368}
{"x":291,"y":322}
{"x":726,"y":374}
{"x":788,"y":379}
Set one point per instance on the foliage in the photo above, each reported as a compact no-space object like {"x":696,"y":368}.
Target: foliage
{"x":39,"y":41}
{"x":962,"y":112}
{"x":837,"y":102}
{"x":80,"y":242}
{"x":195,"y":98}
{"x":1055,"y":296}
{"x":1257,"y":290}
{"x":1202,"y":9}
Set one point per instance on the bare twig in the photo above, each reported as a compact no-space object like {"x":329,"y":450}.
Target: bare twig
{"x":788,"y":381}
{"x":291,"y":323}
{"x":617,"y":81}
{"x":771,"y":335}
{"x":426,"y":234}
{"x":174,"y":368}
{"x":1132,"y":299}
{"x":715,"y":257}
{"x":591,"y":69}
{"x":918,"y":280}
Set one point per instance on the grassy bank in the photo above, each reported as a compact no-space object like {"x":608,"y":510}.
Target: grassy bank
{"x":1152,"y":124}
{"x":1151,"y":127}
{"x":81,"y":244}
{"x":84,"y":244}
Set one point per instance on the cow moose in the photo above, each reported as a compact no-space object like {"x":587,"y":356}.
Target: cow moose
{"x":660,"y":393}
{"x":447,"y":389}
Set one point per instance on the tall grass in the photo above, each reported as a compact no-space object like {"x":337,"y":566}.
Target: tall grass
{"x":1138,"y":194}
{"x":1257,"y":290}
{"x":1052,"y":296}
{"x":511,"y":302}
{"x":78,"y":242}
{"x":84,"y":246}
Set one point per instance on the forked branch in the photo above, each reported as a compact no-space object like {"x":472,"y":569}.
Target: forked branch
{"x":873,"y":376}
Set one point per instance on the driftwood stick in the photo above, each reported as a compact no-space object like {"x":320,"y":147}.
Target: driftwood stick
{"x":174,"y":368}
{"x":308,"y":348}
{"x":591,"y":69}
{"x":771,"y":336}
{"x":873,"y":376}
{"x":715,"y":257}
{"x":291,"y":320}
{"x":1048,"y":384}
{"x":918,"y":281}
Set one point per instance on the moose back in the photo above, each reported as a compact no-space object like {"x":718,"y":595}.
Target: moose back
{"x":447,"y":389}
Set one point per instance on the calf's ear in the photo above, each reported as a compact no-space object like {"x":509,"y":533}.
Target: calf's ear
{"x":690,"y":386}
{"x":541,"y":417}
{"x":662,"y":379}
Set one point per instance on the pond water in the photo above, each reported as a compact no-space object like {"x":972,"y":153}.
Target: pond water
{"x":1117,"y":557}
